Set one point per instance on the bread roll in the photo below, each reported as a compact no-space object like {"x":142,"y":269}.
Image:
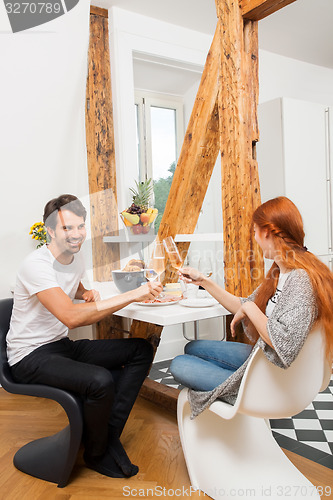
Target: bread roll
{"x":134,"y":265}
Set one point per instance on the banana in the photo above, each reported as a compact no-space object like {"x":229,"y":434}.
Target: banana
{"x":133,"y":218}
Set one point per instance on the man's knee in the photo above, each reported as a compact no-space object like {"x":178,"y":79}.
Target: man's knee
{"x":144,"y":348}
{"x":101,"y":384}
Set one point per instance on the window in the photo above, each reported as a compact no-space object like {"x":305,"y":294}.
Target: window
{"x":160,"y":132}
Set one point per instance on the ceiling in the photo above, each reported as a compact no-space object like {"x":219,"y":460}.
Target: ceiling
{"x":301,"y":30}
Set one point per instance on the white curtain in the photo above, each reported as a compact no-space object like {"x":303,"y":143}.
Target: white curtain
{"x":43,"y":74}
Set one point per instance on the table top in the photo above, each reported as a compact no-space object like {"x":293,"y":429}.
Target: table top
{"x":161,"y":315}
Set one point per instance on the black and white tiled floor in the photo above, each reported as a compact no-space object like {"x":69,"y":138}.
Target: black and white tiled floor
{"x":160,"y":373}
{"x":309,"y":434}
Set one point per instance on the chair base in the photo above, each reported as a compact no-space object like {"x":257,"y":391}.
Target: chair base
{"x":237,"y":458}
{"x":48,"y":458}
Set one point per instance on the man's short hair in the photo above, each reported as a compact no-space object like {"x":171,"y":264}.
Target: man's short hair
{"x":64,"y":202}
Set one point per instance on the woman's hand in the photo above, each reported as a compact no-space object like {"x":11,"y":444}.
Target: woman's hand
{"x":238,"y":317}
{"x":190,"y":275}
{"x":249,"y":311}
{"x":148,"y":291}
{"x":91,"y":296}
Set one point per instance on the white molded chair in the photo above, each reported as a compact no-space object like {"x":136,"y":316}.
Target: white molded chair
{"x":230,"y":451}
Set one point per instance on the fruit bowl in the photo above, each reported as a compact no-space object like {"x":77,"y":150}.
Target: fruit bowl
{"x":139,"y":217}
{"x":139,"y":222}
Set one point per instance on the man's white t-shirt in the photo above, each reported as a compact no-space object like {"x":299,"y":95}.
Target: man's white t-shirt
{"x":32,"y":325}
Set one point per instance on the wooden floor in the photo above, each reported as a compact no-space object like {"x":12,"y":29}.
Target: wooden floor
{"x":150,"y":438}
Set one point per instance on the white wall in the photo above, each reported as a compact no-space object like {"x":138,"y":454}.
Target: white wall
{"x":281,"y":76}
{"x":42,"y":134}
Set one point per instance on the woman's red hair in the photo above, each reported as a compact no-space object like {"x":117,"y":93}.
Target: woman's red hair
{"x":281,"y":218}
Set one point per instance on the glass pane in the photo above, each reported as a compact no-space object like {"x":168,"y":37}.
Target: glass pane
{"x":164,"y":155}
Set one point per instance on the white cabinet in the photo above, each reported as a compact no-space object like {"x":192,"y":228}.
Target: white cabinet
{"x":294,"y":161}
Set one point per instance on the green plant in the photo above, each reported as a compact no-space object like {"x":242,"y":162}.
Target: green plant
{"x":161,"y":192}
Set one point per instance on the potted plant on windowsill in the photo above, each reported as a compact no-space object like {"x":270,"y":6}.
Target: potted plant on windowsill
{"x":139,"y":217}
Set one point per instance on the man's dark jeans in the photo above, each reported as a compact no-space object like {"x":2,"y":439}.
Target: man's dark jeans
{"x":84,"y":367}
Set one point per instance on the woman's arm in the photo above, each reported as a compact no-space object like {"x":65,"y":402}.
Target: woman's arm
{"x":229,"y":301}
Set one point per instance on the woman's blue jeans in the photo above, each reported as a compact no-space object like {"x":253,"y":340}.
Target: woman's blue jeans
{"x":208,"y":363}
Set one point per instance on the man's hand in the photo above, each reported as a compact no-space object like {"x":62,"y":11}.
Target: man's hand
{"x":87,"y":295}
{"x":91,"y":296}
{"x":148,"y":291}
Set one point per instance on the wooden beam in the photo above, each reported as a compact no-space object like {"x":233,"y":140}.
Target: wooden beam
{"x":259,"y":9}
{"x":98,"y":11}
{"x":238,"y":98}
{"x":162,"y":395}
{"x":101,"y":162}
{"x":197,"y":158}
{"x":100,"y":148}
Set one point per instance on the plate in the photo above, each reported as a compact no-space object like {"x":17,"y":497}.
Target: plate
{"x":199,"y":302}
{"x":158,"y":304}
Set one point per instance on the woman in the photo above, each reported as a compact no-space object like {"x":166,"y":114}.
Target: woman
{"x":296,"y":293}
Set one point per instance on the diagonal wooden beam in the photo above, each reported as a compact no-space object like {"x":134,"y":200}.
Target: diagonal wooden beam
{"x":197,"y":157}
{"x":194,"y":169}
{"x":258,"y":9}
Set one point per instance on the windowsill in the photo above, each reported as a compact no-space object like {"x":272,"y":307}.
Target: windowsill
{"x":133,"y":238}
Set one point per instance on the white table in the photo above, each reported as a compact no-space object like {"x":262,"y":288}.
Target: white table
{"x":162,"y":315}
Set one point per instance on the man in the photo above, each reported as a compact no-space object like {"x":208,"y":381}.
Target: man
{"x":39,"y":350}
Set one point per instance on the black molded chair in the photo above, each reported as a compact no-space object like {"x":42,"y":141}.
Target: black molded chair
{"x":50,"y":458}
